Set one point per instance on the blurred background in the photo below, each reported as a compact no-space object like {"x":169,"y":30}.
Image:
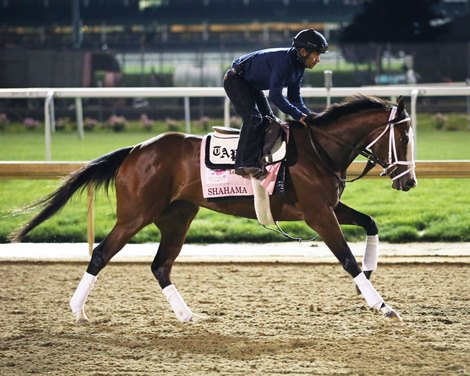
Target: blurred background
{"x":182,"y":43}
{"x":190,"y":43}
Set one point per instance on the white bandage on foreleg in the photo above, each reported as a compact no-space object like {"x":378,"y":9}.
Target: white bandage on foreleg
{"x":182,"y":311}
{"x":370,"y":294}
{"x":77,"y":303}
{"x":371,"y":254}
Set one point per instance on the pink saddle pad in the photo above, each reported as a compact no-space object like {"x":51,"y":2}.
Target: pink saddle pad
{"x":218,"y":183}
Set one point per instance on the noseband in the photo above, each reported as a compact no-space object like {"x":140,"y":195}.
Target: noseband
{"x":372,"y":160}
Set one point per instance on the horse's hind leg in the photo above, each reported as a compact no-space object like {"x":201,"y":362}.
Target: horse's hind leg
{"x":174,"y":224}
{"x":349,"y":216}
{"x":108,"y":247}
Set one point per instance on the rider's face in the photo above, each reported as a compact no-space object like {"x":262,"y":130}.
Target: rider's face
{"x":312,"y":59}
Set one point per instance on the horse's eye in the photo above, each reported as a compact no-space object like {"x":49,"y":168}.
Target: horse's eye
{"x":404,"y":139}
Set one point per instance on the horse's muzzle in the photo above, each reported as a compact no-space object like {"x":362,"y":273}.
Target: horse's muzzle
{"x":405,"y":183}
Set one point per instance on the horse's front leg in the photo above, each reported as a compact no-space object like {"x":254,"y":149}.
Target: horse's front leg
{"x":349,"y":216}
{"x":326,"y":224}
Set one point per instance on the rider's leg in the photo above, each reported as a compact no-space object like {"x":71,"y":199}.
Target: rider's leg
{"x":263,"y":104}
{"x":244,"y":99}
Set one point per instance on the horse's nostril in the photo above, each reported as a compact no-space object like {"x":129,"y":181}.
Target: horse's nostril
{"x":411,"y":183}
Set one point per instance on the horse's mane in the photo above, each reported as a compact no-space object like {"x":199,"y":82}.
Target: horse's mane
{"x":351,"y":105}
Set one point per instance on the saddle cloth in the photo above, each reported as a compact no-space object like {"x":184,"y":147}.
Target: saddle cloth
{"x":221,"y":149}
{"x":217,"y":160}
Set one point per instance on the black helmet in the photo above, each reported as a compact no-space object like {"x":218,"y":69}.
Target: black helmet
{"x":311,"y":40}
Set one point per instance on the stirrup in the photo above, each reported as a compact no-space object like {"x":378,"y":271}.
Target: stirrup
{"x":255,"y":171}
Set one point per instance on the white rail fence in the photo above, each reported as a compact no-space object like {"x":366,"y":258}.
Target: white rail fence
{"x":48,"y":94}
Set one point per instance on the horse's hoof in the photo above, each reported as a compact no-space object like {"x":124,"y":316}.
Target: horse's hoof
{"x":390,"y":314}
{"x":195,"y":317}
{"x":81,"y":317}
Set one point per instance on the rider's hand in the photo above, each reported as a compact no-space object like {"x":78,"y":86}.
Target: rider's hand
{"x":303,"y":121}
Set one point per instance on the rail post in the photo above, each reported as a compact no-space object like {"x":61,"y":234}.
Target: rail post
{"x":48,"y":122}
{"x":328,"y":85}
{"x":187,"y":114}
{"x":414,"y":122}
{"x":226,"y":112}
{"x":79,"y":117}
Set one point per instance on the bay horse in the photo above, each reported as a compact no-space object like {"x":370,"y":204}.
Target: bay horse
{"x":158,"y":181}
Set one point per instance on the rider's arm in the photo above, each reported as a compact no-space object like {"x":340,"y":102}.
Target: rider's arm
{"x":294,"y":97}
{"x":276,"y":84}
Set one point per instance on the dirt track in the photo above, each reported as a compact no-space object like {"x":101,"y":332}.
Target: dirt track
{"x":264,"y":319}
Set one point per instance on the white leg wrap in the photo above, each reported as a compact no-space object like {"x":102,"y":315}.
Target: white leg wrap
{"x":261,"y":202}
{"x":370,"y":294}
{"x":371,"y":254}
{"x":182,"y":311}
{"x":77,"y":303}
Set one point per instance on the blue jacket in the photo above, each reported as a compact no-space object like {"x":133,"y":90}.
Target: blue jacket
{"x":275,"y":69}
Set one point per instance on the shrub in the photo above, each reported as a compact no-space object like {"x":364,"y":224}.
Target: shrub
{"x":440,"y":120}
{"x":3,"y":121}
{"x":204,"y":122}
{"x":61,"y":123}
{"x":89,"y":123}
{"x":172,"y":125}
{"x":147,"y":123}
{"x":31,"y":124}
{"x":117,"y":123}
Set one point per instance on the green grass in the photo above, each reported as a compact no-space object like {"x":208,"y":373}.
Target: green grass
{"x":437,"y":210}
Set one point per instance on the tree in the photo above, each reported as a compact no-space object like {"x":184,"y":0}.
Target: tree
{"x":393,"y":21}
{"x":384,"y":22}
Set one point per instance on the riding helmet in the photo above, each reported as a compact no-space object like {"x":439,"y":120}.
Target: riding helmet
{"x":311,"y":40}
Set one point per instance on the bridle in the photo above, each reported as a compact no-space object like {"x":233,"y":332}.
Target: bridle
{"x":372,"y":160}
{"x":393,"y":162}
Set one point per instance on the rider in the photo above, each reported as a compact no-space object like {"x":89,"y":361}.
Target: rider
{"x":272,"y":69}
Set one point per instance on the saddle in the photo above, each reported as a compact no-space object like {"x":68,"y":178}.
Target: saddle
{"x":221,"y":145}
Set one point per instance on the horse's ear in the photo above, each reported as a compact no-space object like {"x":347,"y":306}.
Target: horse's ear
{"x":401,"y":105}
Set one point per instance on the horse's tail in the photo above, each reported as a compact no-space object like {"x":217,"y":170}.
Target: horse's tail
{"x":100,"y":172}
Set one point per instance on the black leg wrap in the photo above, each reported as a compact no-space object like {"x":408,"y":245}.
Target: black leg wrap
{"x":98,"y":260}
{"x":162,"y":274}
{"x":350,"y":265}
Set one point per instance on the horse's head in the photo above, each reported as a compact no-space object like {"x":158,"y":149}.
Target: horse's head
{"x":394,"y":148}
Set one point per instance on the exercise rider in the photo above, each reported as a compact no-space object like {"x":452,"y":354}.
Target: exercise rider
{"x":272,"y":69}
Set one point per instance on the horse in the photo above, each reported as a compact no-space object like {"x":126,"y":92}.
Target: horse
{"x":158,"y":181}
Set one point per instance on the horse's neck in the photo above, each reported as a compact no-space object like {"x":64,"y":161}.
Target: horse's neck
{"x":354,"y":130}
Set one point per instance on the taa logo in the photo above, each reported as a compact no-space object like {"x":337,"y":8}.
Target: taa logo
{"x":222,"y":153}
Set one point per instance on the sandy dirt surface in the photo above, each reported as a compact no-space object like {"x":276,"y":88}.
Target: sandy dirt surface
{"x":264,"y":319}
